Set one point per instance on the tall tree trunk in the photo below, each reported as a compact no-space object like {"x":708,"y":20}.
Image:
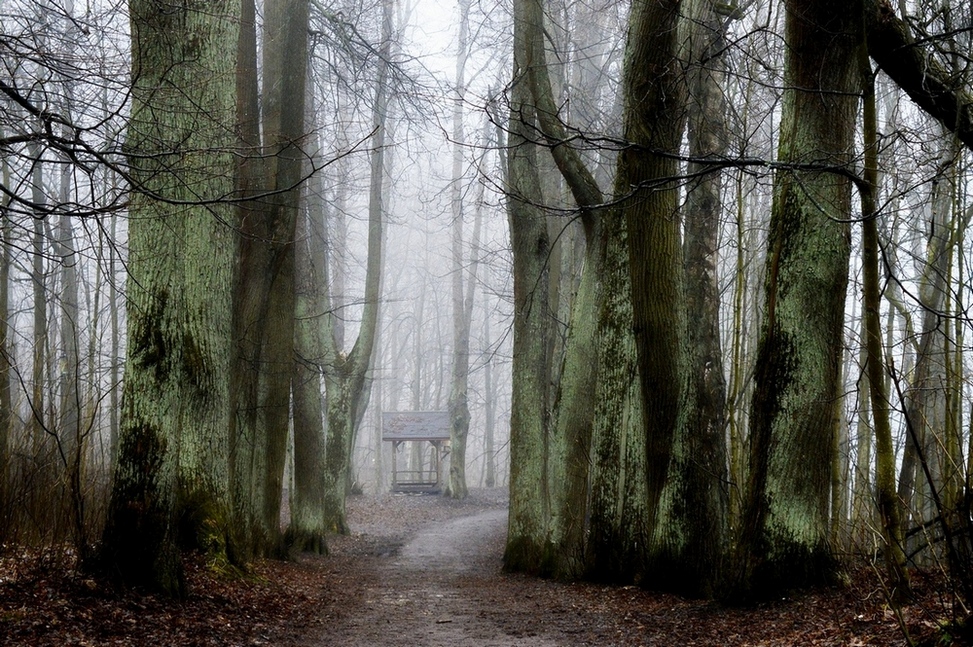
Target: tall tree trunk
{"x":697,"y":511}
{"x":345,"y":381}
{"x":576,"y":364}
{"x":264,"y":308}
{"x":71,"y":448}
{"x":6,"y":405}
{"x":645,"y":183}
{"x":740,"y":352}
{"x":171,"y":474}
{"x":489,"y":399}
{"x":285,"y":76}
{"x":527,"y":547}
{"x":38,"y":400}
{"x":308,"y":525}
{"x":71,"y":444}
{"x":784,"y":542}
{"x":246,"y":464}
{"x":888,"y":503}
{"x":459,"y":410}
{"x":617,"y":530}
{"x":684,"y":504}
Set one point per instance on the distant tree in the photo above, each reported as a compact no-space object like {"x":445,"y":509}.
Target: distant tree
{"x":345,"y":379}
{"x":459,"y":409}
{"x":6,"y":405}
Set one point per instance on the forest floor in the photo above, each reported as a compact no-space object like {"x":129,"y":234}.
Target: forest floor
{"x":424,"y":571}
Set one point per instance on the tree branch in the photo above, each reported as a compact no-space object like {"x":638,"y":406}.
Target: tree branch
{"x":576,"y":174}
{"x":927,"y":82}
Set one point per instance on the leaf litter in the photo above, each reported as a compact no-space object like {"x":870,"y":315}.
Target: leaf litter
{"x":376,"y":589}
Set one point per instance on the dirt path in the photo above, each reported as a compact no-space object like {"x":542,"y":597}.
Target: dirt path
{"x":426,"y":572}
{"x":422,"y":596}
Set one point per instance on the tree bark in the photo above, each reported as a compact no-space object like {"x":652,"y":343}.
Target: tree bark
{"x":265,"y":301}
{"x":459,"y":410}
{"x":617,"y":528}
{"x":692,"y":523}
{"x":645,"y":182}
{"x":569,"y":456}
{"x":784,"y":541}
{"x":345,"y":381}
{"x":527,"y":546}
{"x":684,"y":506}
{"x":172,"y":469}
{"x":308,"y":526}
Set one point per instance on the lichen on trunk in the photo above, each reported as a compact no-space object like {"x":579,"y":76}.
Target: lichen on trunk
{"x":172,"y":459}
{"x":785,"y":532}
{"x":528,"y":548}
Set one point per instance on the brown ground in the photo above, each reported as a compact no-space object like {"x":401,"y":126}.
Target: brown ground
{"x":421,"y":571}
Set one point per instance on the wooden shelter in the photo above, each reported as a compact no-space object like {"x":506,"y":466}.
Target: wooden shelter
{"x":413,"y":430}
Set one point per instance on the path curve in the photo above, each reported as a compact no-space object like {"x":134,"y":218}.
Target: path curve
{"x":422,"y":596}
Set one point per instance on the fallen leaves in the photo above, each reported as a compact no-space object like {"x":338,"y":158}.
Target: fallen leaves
{"x":46,"y":601}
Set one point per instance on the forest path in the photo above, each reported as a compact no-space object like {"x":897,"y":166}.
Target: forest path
{"x":430,"y":594}
{"x":423,"y":596}
{"x":424,"y":571}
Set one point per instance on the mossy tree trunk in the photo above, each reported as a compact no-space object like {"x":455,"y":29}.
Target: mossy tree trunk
{"x":344,"y":383}
{"x":345,"y":376}
{"x":690,"y":530}
{"x":652,"y":108}
{"x":596,"y":461}
{"x":684,"y":461}
{"x":568,"y":452}
{"x":308,"y":526}
{"x":265,"y":301}
{"x":617,"y":530}
{"x":784,"y":542}
{"x":528,"y":521}
{"x":172,"y":458}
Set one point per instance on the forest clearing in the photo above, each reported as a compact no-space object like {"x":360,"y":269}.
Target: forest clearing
{"x":426,"y":571}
